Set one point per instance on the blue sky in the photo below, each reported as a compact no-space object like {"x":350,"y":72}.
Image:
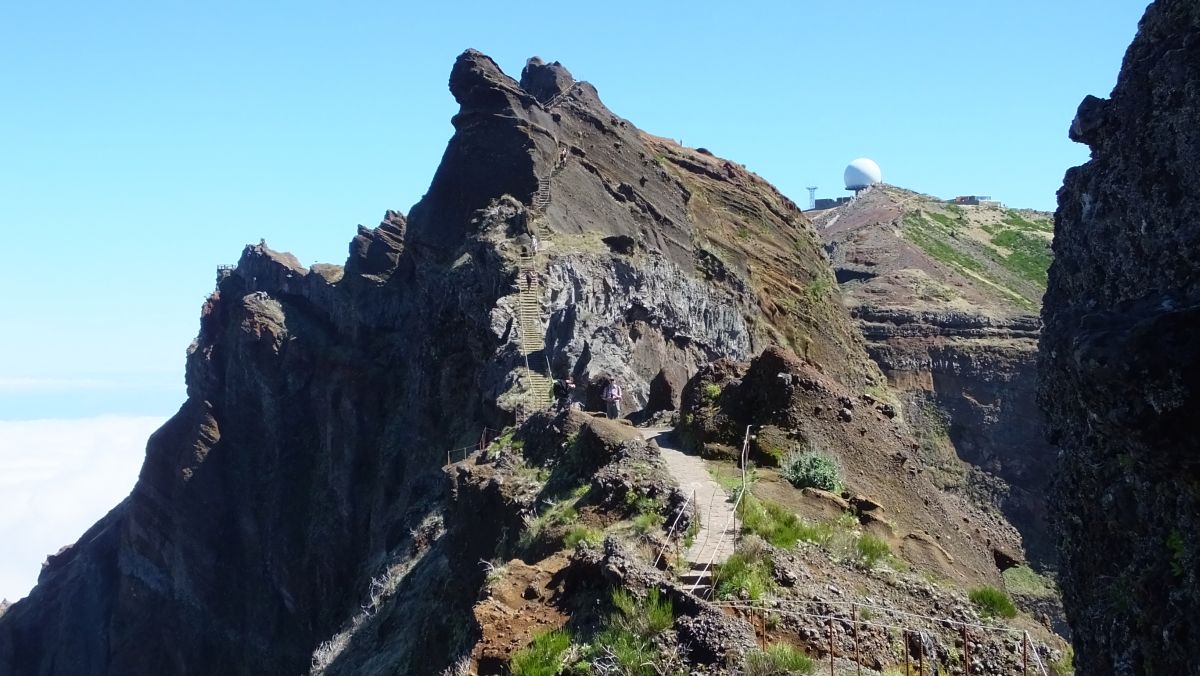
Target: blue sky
{"x":143,"y":143}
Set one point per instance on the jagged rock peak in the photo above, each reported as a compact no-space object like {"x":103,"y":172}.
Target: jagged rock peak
{"x":545,"y":81}
{"x":474,"y":74}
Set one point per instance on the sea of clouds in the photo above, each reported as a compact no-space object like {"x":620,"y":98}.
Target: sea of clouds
{"x":57,"y":478}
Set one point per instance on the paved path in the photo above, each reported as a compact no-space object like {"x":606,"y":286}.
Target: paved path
{"x":717,"y":536}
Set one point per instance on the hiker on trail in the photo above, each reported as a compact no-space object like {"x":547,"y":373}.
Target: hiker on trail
{"x":612,"y":398}
{"x":563,"y":388}
{"x":528,"y":279}
{"x":533,"y":238}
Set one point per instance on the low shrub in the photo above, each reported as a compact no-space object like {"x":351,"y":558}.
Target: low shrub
{"x":712,"y":392}
{"x":777,"y":659}
{"x":593,"y":537}
{"x":811,"y":469}
{"x":543,"y":656}
{"x":992,"y":602}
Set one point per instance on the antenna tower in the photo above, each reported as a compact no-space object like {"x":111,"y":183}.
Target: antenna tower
{"x":812,"y":197}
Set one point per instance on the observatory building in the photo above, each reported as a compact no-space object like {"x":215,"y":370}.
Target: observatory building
{"x":862,"y":174}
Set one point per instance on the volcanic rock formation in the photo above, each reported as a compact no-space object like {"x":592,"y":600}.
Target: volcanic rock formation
{"x":300,"y":481}
{"x":946,"y":297}
{"x":1120,"y":363}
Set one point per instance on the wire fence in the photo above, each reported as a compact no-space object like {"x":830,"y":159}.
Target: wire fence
{"x":857,"y":620}
{"x":456,"y":454}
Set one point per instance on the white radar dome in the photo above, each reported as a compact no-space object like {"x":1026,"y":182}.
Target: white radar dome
{"x":861,"y":173}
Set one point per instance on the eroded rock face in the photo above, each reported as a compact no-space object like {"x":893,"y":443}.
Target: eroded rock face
{"x":1121,"y":364}
{"x":295,"y":504}
{"x":950,"y":318}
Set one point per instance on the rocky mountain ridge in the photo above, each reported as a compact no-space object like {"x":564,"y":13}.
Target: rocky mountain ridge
{"x":297,"y":515}
{"x":321,"y":400}
{"x":945,"y":296}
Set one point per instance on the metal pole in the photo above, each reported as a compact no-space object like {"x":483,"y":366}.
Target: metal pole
{"x":745,"y":459}
{"x":831,"y":645}
{"x":854,"y":622}
{"x":1025,"y":654}
{"x":966,"y":652}
{"x":907,"y":670}
{"x":920,"y":655}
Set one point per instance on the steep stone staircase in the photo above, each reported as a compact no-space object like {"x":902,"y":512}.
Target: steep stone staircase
{"x":530,"y":331}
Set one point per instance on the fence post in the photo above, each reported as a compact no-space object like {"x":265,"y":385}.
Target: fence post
{"x":920,"y":655}
{"x":854,"y":623}
{"x":907,"y":668}
{"x":1025,"y":654}
{"x":831,"y":645}
{"x":966,"y":652}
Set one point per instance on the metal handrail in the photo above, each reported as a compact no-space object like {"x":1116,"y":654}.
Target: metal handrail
{"x":671,"y":531}
{"x":713,"y":558}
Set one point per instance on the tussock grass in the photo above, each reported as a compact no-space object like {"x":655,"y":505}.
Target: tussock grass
{"x":777,"y":659}
{"x":543,"y":656}
{"x":992,"y":602}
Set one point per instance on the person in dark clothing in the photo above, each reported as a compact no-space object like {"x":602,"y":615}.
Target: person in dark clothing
{"x":563,"y":389}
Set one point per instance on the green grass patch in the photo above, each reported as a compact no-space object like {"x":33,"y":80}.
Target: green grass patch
{"x":778,"y":658}
{"x":592,"y":537}
{"x":711,"y":393}
{"x":747,"y":573}
{"x":646,"y":523}
{"x":992,"y":602}
{"x":1030,"y":257}
{"x":1025,"y":581}
{"x":625,"y":642}
{"x":945,"y":221}
{"x":770,"y":522}
{"x":1015,"y":220}
{"x":543,"y":656}
{"x":925,"y":235}
{"x":556,"y":515}
{"x":871,"y":550}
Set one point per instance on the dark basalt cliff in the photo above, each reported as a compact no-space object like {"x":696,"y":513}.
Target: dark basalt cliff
{"x":1120,"y":360}
{"x":303,"y":471}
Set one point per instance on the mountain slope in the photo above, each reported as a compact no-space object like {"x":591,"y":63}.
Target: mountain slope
{"x":945,"y":296}
{"x":305,"y":463}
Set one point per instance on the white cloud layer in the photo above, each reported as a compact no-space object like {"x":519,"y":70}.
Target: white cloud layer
{"x":57,"y":478}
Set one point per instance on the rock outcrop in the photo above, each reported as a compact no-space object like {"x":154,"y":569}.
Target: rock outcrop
{"x":294,"y":507}
{"x":945,"y":297}
{"x":1120,"y":363}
